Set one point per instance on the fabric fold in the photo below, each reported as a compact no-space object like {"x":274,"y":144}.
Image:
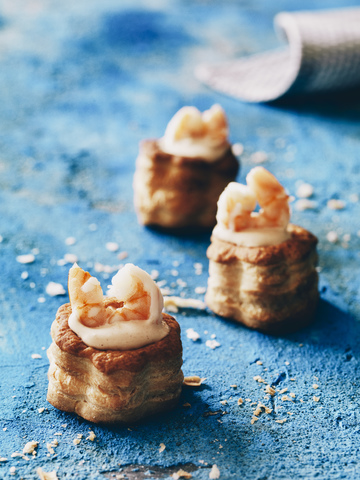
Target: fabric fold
{"x":322,"y":54}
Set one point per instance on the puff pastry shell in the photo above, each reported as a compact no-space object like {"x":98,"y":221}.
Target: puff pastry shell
{"x":272,"y":289}
{"x":178,"y":192}
{"x":113,"y":386}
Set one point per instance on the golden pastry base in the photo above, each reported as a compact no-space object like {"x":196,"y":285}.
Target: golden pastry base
{"x":273,"y":289}
{"x":179,"y":192}
{"x":106,"y":386}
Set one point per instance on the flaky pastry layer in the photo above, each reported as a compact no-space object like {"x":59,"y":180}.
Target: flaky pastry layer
{"x":179,"y":192}
{"x":113,"y":386}
{"x":272,"y":289}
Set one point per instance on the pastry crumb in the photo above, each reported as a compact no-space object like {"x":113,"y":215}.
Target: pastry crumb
{"x":305,"y":190}
{"x":46,"y":475}
{"x":257,"y":378}
{"x":270,"y":390}
{"x":200,"y":290}
{"x":316,"y":399}
{"x":70,"y":241}
{"x":214,"y":473}
{"x":305,"y":204}
{"x":70,"y":258}
{"x":91,"y":436}
{"x":332,"y":237}
{"x":240,"y":401}
{"x":55,"y":289}
{"x":292,"y":394}
{"x":35,"y":355}
{"x":212,"y":344}
{"x":171,"y":302}
{"x":259,"y":157}
{"x":41,"y":409}
{"x":3,"y":459}
{"x":253,"y":420}
{"x":281,"y":421}
{"x":30,"y":447}
{"x":223,"y":402}
{"x":335,"y":204}
{"x":162,"y":447}
{"x":181,"y":474}
{"x":283,"y":390}
{"x":194,"y":336}
{"x":12,"y":470}
{"x":112,"y":246}
{"x":187,"y":405}
{"x":27,"y":258}
{"x":193,"y":381}
{"x":315,"y":386}
{"x":259,"y":362}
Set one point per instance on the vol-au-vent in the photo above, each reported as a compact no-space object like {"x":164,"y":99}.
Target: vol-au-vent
{"x":262,"y":269}
{"x":115,"y":357}
{"x":179,"y":177}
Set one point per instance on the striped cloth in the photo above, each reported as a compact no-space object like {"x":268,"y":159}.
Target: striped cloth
{"x":323,"y":53}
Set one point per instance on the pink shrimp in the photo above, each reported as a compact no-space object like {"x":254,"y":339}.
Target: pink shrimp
{"x":129,"y":297}
{"x":237,"y":203}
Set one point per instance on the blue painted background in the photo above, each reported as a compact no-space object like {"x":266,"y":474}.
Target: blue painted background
{"x":81,"y":83}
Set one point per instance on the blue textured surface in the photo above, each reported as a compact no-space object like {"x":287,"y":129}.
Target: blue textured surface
{"x":80,"y":84}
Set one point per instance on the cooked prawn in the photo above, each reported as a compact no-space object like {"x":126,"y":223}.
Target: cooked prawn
{"x":189,"y":122}
{"x":237,"y":202}
{"x":129,"y":297}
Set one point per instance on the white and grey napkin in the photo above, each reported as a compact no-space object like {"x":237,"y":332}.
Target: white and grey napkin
{"x":323,"y":53}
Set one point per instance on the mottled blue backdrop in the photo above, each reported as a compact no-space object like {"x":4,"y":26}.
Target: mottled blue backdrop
{"x":81,"y":83}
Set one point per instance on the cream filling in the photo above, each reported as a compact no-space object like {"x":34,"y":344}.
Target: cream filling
{"x":120,"y":334}
{"x":193,"y":148}
{"x":252,"y":237}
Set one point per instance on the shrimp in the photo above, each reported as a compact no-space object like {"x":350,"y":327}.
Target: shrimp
{"x":188,"y":122}
{"x":237,"y":202}
{"x":130,"y":297}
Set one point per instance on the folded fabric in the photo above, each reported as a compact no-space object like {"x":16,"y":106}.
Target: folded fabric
{"x":323,"y":53}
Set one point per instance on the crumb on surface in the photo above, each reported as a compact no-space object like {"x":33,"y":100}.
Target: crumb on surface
{"x":335,"y":204}
{"x":112,"y":246}
{"x":283,"y":390}
{"x":54,"y":289}
{"x":181,"y":474}
{"x":270,"y":390}
{"x":281,"y":421}
{"x":35,"y":355}
{"x":25,"y":259}
{"x":240,"y":401}
{"x":91,"y":436}
{"x":212,"y":344}
{"x":316,"y":399}
{"x":315,"y":386}
{"x":214,"y":472}
{"x":192,"y":334}
{"x":193,"y":381}
{"x":30,"y":447}
{"x":46,"y":475}
{"x":305,"y":190}
{"x":162,"y":447}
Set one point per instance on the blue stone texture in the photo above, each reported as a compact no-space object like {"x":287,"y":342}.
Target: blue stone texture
{"x":81,"y":83}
